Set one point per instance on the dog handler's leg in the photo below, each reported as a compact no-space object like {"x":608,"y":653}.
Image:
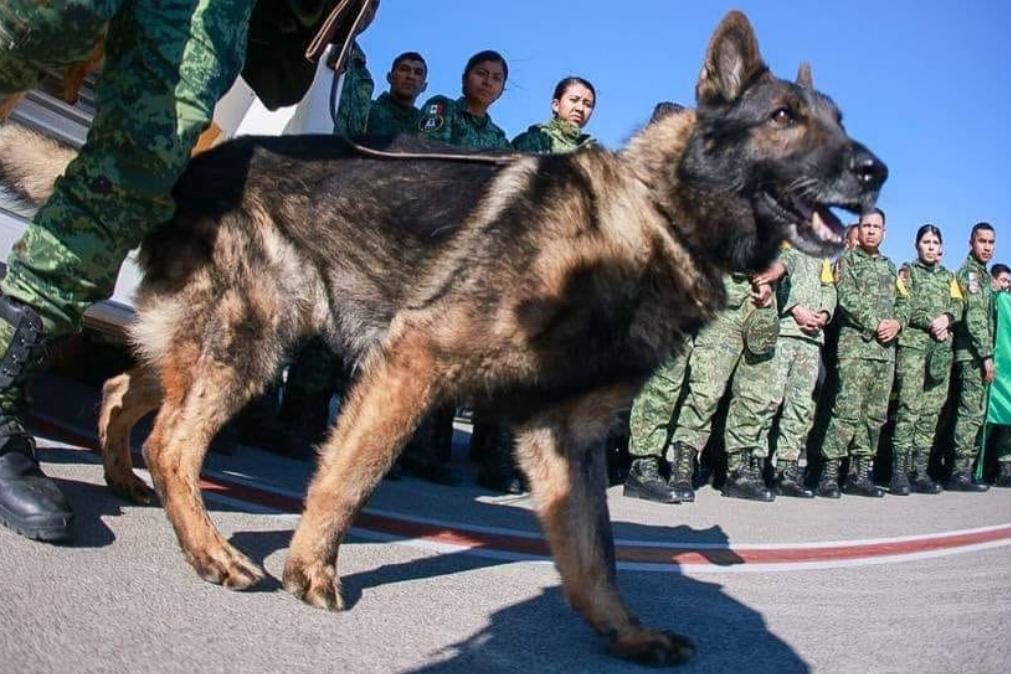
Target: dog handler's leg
{"x":395,"y":390}
{"x":191,"y":414}
{"x":562,"y":455}
{"x":126,"y":398}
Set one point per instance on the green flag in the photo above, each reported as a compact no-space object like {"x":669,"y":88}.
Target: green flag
{"x":999,"y":411}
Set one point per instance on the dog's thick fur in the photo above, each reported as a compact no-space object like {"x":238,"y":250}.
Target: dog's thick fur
{"x":549,"y":287}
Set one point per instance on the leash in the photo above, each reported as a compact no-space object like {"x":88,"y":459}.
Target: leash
{"x":325,"y":35}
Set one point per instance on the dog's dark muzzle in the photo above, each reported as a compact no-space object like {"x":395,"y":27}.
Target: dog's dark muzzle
{"x":869,"y":171}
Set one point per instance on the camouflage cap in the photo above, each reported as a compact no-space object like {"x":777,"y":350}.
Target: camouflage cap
{"x":761,"y":330}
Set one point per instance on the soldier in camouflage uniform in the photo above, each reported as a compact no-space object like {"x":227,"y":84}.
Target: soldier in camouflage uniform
{"x":394,"y":111}
{"x":166,"y":65}
{"x":974,"y":366}
{"x":806,"y":298}
{"x":356,"y":94}
{"x":572,"y":105}
{"x":465,"y":121}
{"x":651,"y":424}
{"x":866,"y":286}
{"x":738,"y":345}
{"x":929,"y":310}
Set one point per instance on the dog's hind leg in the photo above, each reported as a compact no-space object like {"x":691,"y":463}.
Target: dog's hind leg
{"x":561,"y":452}
{"x":199,"y":398}
{"x":395,"y":389}
{"x":126,"y":398}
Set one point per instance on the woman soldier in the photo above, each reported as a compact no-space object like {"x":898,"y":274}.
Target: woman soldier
{"x":571,"y":107}
{"x":929,"y":302}
{"x":465,"y":121}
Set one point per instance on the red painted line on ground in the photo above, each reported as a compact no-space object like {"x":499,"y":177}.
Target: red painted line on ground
{"x":675,"y":554}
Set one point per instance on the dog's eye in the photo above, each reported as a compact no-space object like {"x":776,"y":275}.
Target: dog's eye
{"x":782,"y":117}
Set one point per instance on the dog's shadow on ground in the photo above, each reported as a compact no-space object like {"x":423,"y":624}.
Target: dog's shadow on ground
{"x":542,"y":634}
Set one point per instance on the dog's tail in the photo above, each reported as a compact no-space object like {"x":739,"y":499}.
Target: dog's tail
{"x":30,"y":163}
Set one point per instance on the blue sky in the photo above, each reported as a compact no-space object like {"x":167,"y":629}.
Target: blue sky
{"x":924,"y":84}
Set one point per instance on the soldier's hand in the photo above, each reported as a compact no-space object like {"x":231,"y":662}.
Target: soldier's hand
{"x":806,"y":320}
{"x":887,"y":330}
{"x":989,"y":371}
{"x":772,"y":274}
{"x":939,"y":327}
{"x":762,"y":295}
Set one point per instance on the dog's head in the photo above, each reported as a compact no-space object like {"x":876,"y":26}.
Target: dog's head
{"x":771,"y":156}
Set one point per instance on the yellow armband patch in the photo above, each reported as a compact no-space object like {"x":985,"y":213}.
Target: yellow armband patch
{"x":900,"y":286}
{"x":826,"y":273}
{"x":954,"y":291}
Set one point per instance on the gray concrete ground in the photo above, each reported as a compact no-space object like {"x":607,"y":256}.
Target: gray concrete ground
{"x":121,"y":597}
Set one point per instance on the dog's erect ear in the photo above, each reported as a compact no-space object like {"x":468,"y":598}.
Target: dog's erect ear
{"x":732,"y":62}
{"x":804,"y":78}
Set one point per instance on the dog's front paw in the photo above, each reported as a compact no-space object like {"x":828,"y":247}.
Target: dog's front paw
{"x":314,"y":583}
{"x":652,"y":647}
{"x":224,"y":565}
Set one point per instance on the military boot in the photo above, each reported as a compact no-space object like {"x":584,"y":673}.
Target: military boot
{"x":1004,"y":475}
{"x":790,"y":480}
{"x":859,"y":481}
{"x":922,"y":484}
{"x":30,"y":503}
{"x":828,"y":483}
{"x":901,"y":460}
{"x":744,"y":479}
{"x":682,"y":472}
{"x":646,"y":482}
{"x":961,"y":478}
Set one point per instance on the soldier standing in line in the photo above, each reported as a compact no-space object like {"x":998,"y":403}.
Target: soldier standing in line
{"x":929,"y":310}
{"x":394,"y":111}
{"x":572,"y":106}
{"x":651,"y":423}
{"x":866,"y":285}
{"x":739,"y":344}
{"x":974,"y":368}
{"x":806,"y":298}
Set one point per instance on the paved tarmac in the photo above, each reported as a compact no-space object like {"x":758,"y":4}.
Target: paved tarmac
{"x":446,"y":579}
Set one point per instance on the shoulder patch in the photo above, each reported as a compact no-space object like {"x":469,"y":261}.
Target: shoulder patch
{"x":902,"y":282}
{"x":431,"y":123}
{"x":784,"y":245}
{"x":436,"y":109}
{"x":954,"y":292}
{"x":973,"y":283}
{"x":826,"y":273}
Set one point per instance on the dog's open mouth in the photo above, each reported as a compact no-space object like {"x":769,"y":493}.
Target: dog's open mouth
{"x":810,"y":226}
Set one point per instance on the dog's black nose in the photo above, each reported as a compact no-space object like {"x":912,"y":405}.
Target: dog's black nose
{"x":870,"y":171}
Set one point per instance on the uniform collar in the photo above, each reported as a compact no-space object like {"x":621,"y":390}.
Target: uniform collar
{"x":461,"y":106}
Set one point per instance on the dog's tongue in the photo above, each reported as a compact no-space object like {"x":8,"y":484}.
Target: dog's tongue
{"x":826,"y":225}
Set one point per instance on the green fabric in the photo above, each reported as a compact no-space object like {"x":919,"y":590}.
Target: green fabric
{"x":928,"y":295}
{"x":803,"y":285}
{"x":920,"y":399}
{"x":448,"y":121}
{"x":974,"y":334}
{"x":655,"y":410}
{"x":999,"y":411}
{"x":860,"y":407}
{"x":552,"y":137}
{"x":167,"y":62}
{"x":356,"y":95}
{"x":866,"y":289}
{"x":389,"y":118}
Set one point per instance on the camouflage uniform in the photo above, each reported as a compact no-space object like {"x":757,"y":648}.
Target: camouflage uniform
{"x":356,"y":95}
{"x":866,"y":285}
{"x":555,"y":136}
{"x":808,"y":283}
{"x":655,"y":410}
{"x":448,"y":121}
{"x":973,"y":344}
{"x":388,"y":118}
{"x":166,"y":65}
{"x":718,"y":354}
{"x":922,"y":364}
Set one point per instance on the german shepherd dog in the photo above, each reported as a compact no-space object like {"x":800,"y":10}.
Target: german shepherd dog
{"x":547,"y":286}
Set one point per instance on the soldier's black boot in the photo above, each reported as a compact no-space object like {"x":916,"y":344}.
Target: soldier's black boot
{"x":30,"y":503}
{"x":682,"y":472}
{"x":901,"y":460}
{"x":859,"y":481}
{"x":1004,"y":475}
{"x":744,"y":479}
{"x":961,"y":478}
{"x":922,"y":484}
{"x":498,"y":470}
{"x":646,"y":482}
{"x":828,"y":484}
{"x":790,"y":480}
